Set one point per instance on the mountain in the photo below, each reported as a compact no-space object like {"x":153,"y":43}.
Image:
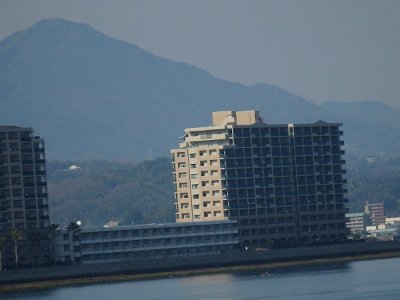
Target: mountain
{"x":93,"y":97}
{"x":366,"y":111}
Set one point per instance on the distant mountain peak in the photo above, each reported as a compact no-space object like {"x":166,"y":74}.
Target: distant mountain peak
{"x":94,"y":97}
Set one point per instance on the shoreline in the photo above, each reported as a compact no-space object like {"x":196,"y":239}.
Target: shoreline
{"x":191,"y":272}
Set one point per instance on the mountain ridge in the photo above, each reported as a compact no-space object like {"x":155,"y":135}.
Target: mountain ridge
{"x":94,"y":97}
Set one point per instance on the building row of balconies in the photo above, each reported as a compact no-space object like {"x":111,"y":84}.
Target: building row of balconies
{"x":287,"y":233}
{"x":112,"y":248}
{"x":264,"y":133}
{"x":94,"y":239}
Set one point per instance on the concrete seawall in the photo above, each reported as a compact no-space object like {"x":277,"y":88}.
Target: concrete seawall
{"x":185,"y":263}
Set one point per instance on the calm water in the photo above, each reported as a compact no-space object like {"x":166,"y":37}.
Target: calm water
{"x":376,"y":279}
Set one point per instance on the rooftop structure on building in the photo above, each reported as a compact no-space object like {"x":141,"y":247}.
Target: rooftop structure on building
{"x":23,"y":194}
{"x":283,"y":183}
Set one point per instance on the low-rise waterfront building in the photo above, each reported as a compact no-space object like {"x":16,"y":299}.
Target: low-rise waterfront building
{"x":383,"y":233}
{"x":101,"y":245}
{"x":393,"y":221}
{"x":357,"y":222}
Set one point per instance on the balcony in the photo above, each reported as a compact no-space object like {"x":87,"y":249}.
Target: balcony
{"x":198,"y":138}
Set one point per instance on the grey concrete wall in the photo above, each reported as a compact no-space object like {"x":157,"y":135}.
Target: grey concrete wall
{"x":173,"y":264}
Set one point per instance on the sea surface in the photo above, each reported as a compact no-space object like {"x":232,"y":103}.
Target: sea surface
{"x":372,"y":279}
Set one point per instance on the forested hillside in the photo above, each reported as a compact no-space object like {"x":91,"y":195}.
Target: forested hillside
{"x":101,"y":191}
{"x":374,"y":181}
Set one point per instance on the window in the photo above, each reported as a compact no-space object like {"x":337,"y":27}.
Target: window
{"x":217,"y":213}
{"x":203,"y":163}
{"x":215,"y":193}
{"x":197,"y":217}
{"x":204,"y":173}
{"x":196,"y":206}
{"x":214,"y":172}
{"x":195,"y":186}
{"x":181,"y":165}
{"x":216,"y":203}
{"x":213,"y":152}
{"x":185,"y":216}
{"x":214,"y":182}
{"x":182,"y":175}
{"x":184,"y":195}
{"x":213,"y":162}
{"x":183,"y":185}
{"x":203,"y":152}
{"x":181,"y":154}
{"x":192,"y":155}
{"x":193,"y":166}
{"x":196,"y":196}
{"x":185,"y":205}
{"x":193,"y":176}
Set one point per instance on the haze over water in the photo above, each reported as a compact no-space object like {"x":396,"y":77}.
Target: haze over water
{"x":375,"y":279}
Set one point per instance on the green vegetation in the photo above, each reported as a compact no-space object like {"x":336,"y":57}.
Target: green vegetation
{"x":101,"y":191}
{"x":376,"y":181}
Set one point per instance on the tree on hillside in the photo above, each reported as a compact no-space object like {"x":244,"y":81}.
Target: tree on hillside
{"x":16,"y":235}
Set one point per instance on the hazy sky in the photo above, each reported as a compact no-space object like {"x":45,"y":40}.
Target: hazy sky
{"x":322,"y":50}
